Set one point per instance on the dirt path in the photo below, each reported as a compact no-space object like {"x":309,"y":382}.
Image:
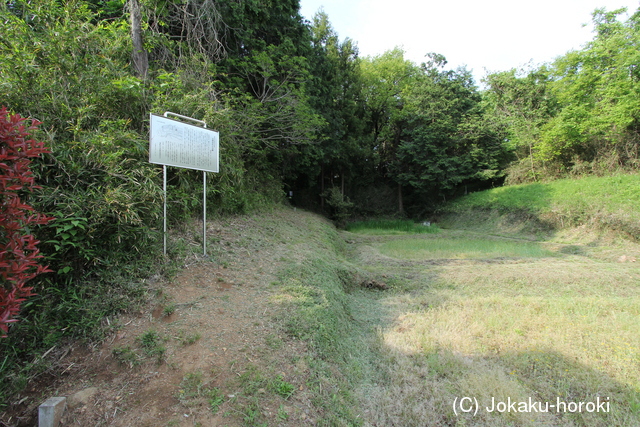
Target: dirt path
{"x":204,"y":350}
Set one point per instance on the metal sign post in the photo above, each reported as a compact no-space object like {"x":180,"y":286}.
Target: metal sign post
{"x":204,"y":213}
{"x":174,"y":143}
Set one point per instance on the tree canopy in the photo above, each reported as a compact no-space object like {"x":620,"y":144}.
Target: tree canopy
{"x":580,"y":113}
{"x":302,"y":111}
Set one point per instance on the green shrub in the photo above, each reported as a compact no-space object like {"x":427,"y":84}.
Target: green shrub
{"x":340,"y":207}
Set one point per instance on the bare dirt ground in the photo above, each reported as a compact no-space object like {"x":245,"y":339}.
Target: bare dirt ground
{"x":212,"y":349}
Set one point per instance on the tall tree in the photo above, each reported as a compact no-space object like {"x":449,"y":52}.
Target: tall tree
{"x":444,"y":141}
{"x":598,"y":89}
{"x":522,"y":104}
{"x":385,"y":78}
{"x":139,"y":55}
{"x":335,"y":94}
{"x":266,"y":72}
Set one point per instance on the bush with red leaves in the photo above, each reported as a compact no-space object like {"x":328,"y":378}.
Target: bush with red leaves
{"x":18,"y":251}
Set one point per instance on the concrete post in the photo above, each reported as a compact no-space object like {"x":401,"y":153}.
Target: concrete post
{"x":50,"y":412}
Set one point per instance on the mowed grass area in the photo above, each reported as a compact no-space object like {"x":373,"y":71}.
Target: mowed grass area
{"x":537,"y":323}
{"x":605,"y":203}
{"x":391,"y":226}
{"x":584,"y":196}
{"x":461,"y":248}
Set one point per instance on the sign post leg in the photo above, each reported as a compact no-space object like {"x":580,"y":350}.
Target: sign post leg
{"x":204,"y":213}
{"x":164,"y":189}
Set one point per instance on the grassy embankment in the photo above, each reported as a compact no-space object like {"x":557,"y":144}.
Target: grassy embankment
{"x":486,"y":317}
{"x":593,"y":203}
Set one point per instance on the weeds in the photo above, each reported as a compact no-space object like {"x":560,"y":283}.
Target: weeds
{"x":190,"y":388}
{"x":215,"y":399}
{"x":282,"y":413}
{"x":150,"y":345}
{"x":126,"y":356}
{"x":281,"y":387}
{"x":251,"y":412}
{"x":169,"y":309}
{"x":188,"y":339}
{"x":193,"y":391}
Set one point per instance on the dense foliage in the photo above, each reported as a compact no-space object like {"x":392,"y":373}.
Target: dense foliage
{"x":298,"y":110}
{"x":579,"y":114}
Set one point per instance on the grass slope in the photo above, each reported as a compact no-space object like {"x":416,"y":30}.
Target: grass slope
{"x":609,"y":203}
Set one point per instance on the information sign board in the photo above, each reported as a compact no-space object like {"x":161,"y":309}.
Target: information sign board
{"x":174,"y":143}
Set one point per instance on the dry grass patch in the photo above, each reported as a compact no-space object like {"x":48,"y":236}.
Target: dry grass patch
{"x":549,"y":278}
{"x":540,"y":327}
{"x":599,"y":334}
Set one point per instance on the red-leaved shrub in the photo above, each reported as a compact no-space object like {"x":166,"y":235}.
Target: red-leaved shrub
{"x":18,"y":252}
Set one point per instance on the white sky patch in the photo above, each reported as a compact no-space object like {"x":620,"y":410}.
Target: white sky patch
{"x":484,"y":35}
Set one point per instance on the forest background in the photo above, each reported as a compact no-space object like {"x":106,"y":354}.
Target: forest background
{"x":298,"y":110}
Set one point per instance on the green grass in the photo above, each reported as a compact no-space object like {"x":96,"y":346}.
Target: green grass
{"x":188,"y":339}
{"x":169,"y":309}
{"x":391,"y":226}
{"x":611,"y":194}
{"x":601,"y":202}
{"x":281,"y":387}
{"x":316,"y":308}
{"x":151,"y":343}
{"x":518,"y":319}
{"x":193,"y":391}
{"x":461,"y":248}
{"x":126,"y":356}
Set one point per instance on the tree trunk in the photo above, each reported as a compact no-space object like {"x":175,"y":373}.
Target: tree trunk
{"x":400,"y":204}
{"x":139,"y":55}
{"x":322,"y":187}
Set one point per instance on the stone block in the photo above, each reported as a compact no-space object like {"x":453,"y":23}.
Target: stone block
{"x":50,"y":412}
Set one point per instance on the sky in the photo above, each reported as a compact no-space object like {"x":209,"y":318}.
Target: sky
{"x":483,"y":35}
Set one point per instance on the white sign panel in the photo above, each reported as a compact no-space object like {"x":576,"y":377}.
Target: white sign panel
{"x":179,"y":144}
